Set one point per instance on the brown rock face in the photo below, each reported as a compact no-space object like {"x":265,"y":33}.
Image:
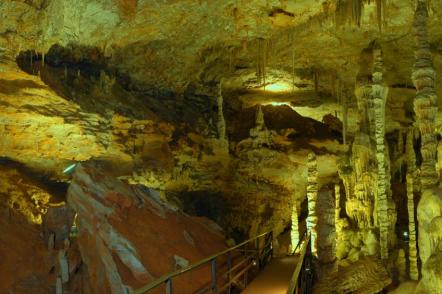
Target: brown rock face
{"x":25,"y":265}
{"x":128,"y":237}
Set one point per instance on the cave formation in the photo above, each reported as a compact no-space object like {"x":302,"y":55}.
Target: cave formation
{"x":140,"y":137}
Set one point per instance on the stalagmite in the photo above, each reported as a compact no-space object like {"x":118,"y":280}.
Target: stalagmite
{"x":312,"y":195}
{"x":338,"y":227}
{"x":379,"y":94}
{"x":294,"y":233}
{"x":425,"y":108}
{"x":260,"y":134}
{"x":63,"y":266}
{"x":425,"y":102}
{"x":414,"y":275}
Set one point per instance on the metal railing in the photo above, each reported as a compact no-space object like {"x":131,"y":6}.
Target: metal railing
{"x":250,"y":254}
{"x":302,"y":278}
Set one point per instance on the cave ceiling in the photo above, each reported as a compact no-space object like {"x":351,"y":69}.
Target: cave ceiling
{"x":169,"y":44}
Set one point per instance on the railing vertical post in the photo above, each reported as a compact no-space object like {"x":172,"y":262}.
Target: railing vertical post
{"x":169,"y":289}
{"x":229,"y":273}
{"x":245,"y":278}
{"x":214,"y":275}
{"x":258,"y":253}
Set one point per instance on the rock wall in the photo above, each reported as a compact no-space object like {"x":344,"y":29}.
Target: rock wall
{"x":127,"y":237}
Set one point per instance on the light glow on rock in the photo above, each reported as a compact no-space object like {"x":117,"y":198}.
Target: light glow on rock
{"x":278,"y":87}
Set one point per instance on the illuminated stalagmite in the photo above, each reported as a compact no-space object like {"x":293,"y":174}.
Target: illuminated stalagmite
{"x":414,"y":275}
{"x":425,"y":108}
{"x":425,"y":102}
{"x":337,"y":207}
{"x":312,"y":196}
{"x":411,"y":179}
{"x":294,"y":233}
{"x":260,"y":134}
{"x":379,"y":94}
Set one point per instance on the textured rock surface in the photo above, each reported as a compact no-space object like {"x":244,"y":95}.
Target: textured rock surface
{"x":127,"y":237}
{"x":23,"y":194}
{"x":365,"y":276}
{"x":25,"y":263}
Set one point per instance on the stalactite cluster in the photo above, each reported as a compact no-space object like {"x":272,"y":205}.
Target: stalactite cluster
{"x":350,"y":11}
{"x":265,"y":47}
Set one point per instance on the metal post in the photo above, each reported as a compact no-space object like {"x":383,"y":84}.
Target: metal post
{"x":169,"y":289}
{"x":229,"y":271}
{"x":258,"y":253}
{"x":214,"y":274}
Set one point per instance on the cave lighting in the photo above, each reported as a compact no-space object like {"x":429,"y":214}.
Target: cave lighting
{"x":69,"y":169}
{"x":279,"y":103}
{"x":278,"y":87}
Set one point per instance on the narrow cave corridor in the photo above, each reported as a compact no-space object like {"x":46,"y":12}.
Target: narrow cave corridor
{"x":226,"y":146}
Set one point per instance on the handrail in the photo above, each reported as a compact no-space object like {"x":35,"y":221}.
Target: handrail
{"x":295,"y":277}
{"x":163,"y":279}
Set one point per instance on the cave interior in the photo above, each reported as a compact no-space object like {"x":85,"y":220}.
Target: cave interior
{"x":139,"y":137}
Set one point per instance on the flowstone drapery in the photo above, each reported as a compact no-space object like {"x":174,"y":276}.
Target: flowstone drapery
{"x":312,"y":196}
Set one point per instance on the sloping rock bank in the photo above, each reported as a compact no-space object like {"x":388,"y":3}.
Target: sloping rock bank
{"x":128,"y":237}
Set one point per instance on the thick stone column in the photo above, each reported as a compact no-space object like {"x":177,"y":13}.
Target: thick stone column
{"x":425,"y":108}
{"x":312,"y":196}
{"x":425,"y":105}
{"x":379,"y":94}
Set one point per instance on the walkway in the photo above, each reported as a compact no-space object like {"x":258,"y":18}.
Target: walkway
{"x":275,"y":277}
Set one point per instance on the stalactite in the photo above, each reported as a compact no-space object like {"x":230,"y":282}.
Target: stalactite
{"x":312,"y":196}
{"x":411,"y":156}
{"x":261,"y":62}
{"x":350,"y":11}
{"x":379,"y":9}
{"x":344,"y":116}
{"x":264,"y":62}
{"x":294,"y":233}
{"x":414,"y":274}
{"x":316,"y":79}
{"x":293,"y":70}
{"x":221,"y":123}
{"x":379,"y":94}
{"x":425,"y":105}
